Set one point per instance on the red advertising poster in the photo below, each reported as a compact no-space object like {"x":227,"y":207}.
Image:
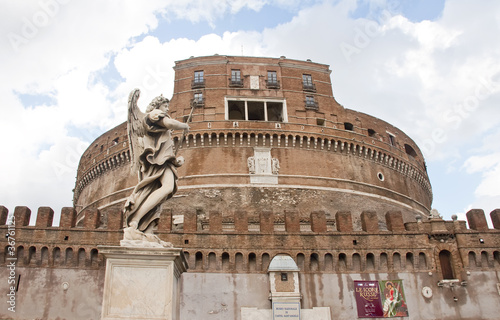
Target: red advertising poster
{"x":367,"y":295}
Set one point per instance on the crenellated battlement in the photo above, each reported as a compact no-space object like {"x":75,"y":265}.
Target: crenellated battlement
{"x":267,"y":222}
{"x":240,"y":242}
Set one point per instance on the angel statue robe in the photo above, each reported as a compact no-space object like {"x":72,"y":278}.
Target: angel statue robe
{"x":158,"y":156}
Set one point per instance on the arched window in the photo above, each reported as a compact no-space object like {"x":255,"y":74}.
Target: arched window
{"x":356,"y":262}
{"x":370,"y":262}
{"x":68,"y":260}
{"x":472,"y":260}
{"x":445,"y":261}
{"x":225,"y":261}
{"x":314,"y":263}
{"x":20,"y":255}
{"x":484,"y":259}
{"x":94,"y":256}
{"x":45,"y":256}
{"x":81,"y":257}
{"x":328,"y":266}
{"x":198,"y":261}
{"x":265,"y":261}
{"x":342,"y":262}
{"x":409,"y":261}
{"x":56,"y":256}
{"x":32,"y":255}
{"x":252,"y":261}
{"x":496,"y":259}
{"x":396,"y":261}
{"x":383,"y":261}
{"x":212,"y":263}
{"x":239,"y":262}
{"x":422,"y":264}
{"x":300,"y":261}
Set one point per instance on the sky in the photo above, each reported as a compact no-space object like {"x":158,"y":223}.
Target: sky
{"x":429,"y":67}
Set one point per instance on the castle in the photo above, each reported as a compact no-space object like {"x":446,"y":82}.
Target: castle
{"x":285,"y":196}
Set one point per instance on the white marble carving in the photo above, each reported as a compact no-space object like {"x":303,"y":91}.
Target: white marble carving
{"x":276,"y":165}
{"x":435,"y":214}
{"x":251,"y":165}
{"x":153,"y":157}
{"x":262,"y":167}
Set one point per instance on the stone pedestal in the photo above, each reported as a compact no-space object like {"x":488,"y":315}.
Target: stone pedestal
{"x":142,"y":283}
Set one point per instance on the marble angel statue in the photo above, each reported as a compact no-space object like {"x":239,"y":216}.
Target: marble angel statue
{"x":153,"y":157}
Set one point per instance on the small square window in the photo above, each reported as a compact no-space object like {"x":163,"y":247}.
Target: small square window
{"x":198,"y":96}
{"x":198,"y":99}
{"x":307,"y":79}
{"x":284,"y":276}
{"x":235,"y":75}
{"x":392,"y":139}
{"x":236,"y":78}
{"x":272,"y":77}
{"x":272,"y":80}
{"x":199,"y":80}
{"x":307,"y":83}
{"x":311,"y":103}
{"x":348,"y":126}
{"x":198,"y":76}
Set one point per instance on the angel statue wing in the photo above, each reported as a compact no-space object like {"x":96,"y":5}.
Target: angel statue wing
{"x":135,"y":129}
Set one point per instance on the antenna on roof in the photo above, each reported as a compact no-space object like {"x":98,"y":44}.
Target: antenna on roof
{"x":241,"y":49}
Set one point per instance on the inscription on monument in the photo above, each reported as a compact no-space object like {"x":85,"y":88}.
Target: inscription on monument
{"x":286,"y":310}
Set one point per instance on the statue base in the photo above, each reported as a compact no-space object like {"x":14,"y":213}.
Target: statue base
{"x":142,"y":283}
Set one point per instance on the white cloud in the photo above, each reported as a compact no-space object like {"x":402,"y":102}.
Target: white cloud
{"x":148,"y":64}
{"x":481,"y":163}
{"x":60,"y":57}
{"x":486,"y":162}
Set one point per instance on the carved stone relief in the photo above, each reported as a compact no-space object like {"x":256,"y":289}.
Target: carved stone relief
{"x":262,"y":167}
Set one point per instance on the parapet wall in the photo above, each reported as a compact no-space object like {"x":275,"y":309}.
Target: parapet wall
{"x":246,"y":244}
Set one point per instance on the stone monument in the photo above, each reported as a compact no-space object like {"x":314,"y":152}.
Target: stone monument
{"x":142,"y":274}
{"x":153,"y":157}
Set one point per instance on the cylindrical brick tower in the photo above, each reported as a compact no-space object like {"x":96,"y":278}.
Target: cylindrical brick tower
{"x":267,"y":135}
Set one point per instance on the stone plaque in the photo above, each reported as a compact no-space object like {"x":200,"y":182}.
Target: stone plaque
{"x":254,"y":82}
{"x":263,"y":168}
{"x":286,"y":310}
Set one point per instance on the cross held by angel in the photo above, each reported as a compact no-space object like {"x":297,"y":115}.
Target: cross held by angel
{"x":153,"y":157}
